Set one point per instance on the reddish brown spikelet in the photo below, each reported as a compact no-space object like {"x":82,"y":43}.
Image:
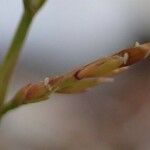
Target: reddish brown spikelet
{"x":36,"y":91}
{"x":31,"y":93}
{"x":135,"y":54}
{"x":84,"y":77}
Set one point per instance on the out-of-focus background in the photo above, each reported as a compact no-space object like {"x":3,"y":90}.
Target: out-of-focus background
{"x":66,"y":34}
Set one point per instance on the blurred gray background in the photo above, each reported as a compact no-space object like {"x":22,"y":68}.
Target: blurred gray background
{"x":64,"y":35}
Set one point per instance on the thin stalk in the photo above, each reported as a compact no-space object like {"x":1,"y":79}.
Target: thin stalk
{"x":6,"y":107}
{"x":12,"y":55}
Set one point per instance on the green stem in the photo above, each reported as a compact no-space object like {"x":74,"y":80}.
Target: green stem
{"x":12,"y":55}
{"x":7,"y":107}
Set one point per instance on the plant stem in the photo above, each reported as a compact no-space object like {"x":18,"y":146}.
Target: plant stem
{"x":6,"y":107}
{"x":13,"y":53}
